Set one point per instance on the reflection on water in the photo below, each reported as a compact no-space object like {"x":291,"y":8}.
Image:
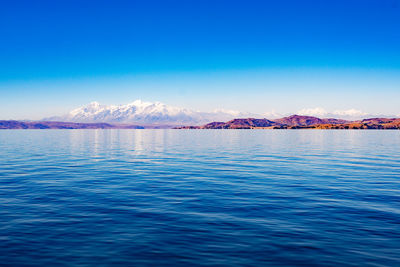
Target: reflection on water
{"x":200,"y":197}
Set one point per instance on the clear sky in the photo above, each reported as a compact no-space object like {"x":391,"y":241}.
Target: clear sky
{"x":252,"y":56}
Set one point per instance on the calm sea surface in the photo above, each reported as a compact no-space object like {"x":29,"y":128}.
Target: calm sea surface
{"x":200,"y":197}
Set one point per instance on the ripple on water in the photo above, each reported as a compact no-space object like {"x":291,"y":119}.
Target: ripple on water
{"x":170,"y":197}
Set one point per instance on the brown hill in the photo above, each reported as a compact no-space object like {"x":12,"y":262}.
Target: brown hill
{"x":381,"y":120}
{"x":302,"y":122}
{"x":248,"y":123}
{"x":296,"y":120}
{"x":62,"y":125}
{"x":364,"y":124}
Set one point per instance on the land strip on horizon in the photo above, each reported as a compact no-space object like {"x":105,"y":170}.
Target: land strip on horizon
{"x":291,"y":122}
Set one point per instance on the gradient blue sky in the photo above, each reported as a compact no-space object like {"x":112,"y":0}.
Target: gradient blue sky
{"x":253,"y":56}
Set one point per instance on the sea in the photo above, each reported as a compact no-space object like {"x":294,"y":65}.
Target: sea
{"x":199,"y":197}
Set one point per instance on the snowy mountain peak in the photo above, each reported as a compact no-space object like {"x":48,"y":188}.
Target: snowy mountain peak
{"x":141,"y":112}
{"x":94,"y":104}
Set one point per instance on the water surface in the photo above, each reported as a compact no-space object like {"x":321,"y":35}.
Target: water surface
{"x":200,"y":197}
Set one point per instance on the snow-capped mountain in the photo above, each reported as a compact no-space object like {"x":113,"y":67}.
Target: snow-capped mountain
{"x":140,"y":112}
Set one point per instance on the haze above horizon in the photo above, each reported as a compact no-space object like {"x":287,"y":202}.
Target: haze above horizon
{"x":250,"y":56}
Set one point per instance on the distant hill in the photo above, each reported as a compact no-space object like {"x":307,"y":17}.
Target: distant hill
{"x":63,"y":125}
{"x":297,"y":120}
{"x":301,"y":122}
{"x":240,"y":124}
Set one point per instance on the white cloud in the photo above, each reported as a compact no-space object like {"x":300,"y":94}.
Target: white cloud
{"x":312,"y":112}
{"x":272,"y":115}
{"x":349,"y":114}
{"x":228,"y":111}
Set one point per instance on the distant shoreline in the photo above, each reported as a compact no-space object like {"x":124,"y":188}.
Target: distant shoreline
{"x":10,"y":124}
{"x":291,"y":122}
{"x":303,"y":122}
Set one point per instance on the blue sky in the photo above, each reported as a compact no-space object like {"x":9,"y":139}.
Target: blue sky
{"x":253,"y":56}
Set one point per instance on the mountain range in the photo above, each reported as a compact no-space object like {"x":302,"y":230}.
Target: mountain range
{"x":302,"y":122}
{"x":291,"y":122}
{"x":139,"y":114}
{"x":145,"y":113}
{"x":157,"y":114}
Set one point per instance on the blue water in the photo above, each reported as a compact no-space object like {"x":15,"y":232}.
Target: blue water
{"x":200,"y":197}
